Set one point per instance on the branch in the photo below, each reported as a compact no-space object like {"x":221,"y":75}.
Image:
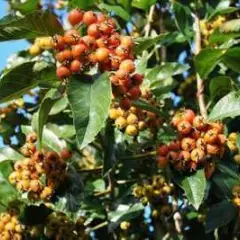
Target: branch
{"x":149,"y":21}
{"x":142,"y":156}
{"x":200,"y":84}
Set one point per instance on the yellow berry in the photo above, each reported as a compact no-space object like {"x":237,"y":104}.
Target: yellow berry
{"x":232,"y":137}
{"x":121,"y":122}
{"x":10,"y":226}
{"x":155,"y":213}
{"x":114,"y":113}
{"x":142,"y":125}
{"x":35,"y":50}
{"x":13,"y":178}
{"x":131,"y":130}
{"x":232,"y":146}
{"x":236,"y":159}
{"x":124,"y":225}
{"x":132,"y":118}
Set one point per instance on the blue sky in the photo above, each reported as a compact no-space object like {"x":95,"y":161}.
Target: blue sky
{"x":8,"y":48}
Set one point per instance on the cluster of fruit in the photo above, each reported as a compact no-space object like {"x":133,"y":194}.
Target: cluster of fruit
{"x":236,"y":195}
{"x":157,"y":190}
{"x":59,"y":226}
{"x":88,"y":160}
{"x":232,"y":145}
{"x":187,"y":88}
{"x":134,"y":120}
{"x":207,"y":28}
{"x":40,"y":172}
{"x":197,"y":141}
{"x":102,"y":46}
{"x":10,"y":227}
{"x":40,"y":44}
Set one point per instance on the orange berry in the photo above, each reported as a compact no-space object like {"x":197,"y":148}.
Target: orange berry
{"x":75,"y":17}
{"x":127,"y":65}
{"x":213,"y":149}
{"x":188,"y":144}
{"x":184,"y":127}
{"x":211,"y":136}
{"x":89,"y":17}
{"x":102,"y":54}
{"x":199,"y":123}
{"x":198,"y":155}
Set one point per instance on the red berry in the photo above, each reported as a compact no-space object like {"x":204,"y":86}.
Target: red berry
{"x":174,"y":145}
{"x":134,"y":93}
{"x":137,"y":79}
{"x":163,"y":150}
{"x":125,"y":82}
{"x":92,"y":58}
{"x":75,"y":66}
{"x":188,"y":115}
{"x":67,"y":55}
{"x":125,"y":103}
{"x":93,"y":30}
{"x":72,"y":37}
{"x":63,"y":72}
{"x":127,"y":65}
{"x":101,"y":18}
{"x":89,"y":17}
{"x":102,"y":54}
{"x":162,"y":162}
{"x":114,"y":40}
{"x":75,"y":17}
{"x":65,"y":154}
{"x":59,"y":42}
{"x":176,"y":120}
{"x":184,"y":127}
{"x":78,"y":50}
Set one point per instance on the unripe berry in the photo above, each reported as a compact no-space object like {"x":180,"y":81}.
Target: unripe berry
{"x":201,"y":144}
{"x":35,"y":50}
{"x":131,"y":130}
{"x":236,"y":159}
{"x":184,"y":127}
{"x":125,"y":225}
{"x":114,"y":113}
{"x":121,"y":122}
{"x":141,"y":125}
{"x":232,"y":137}
{"x":232,"y":146}
{"x":34,"y":185}
{"x":132,"y":119}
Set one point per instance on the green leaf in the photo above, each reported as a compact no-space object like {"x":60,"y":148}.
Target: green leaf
{"x":145,"y":43}
{"x":26,"y":7}
{"x":220,"y":215}
{"x":183,"y":19}
{"x":232,"y":59}
{"x":218,"y":37}
{"x":30,"y":26}
{"x":165,"y":71}
{"x":126,"y":212}
{"x":194,"y":187}
{"x":222,"y":10}
{"x":50,"y":140}
{"x":228,"y":106}
{"x":90,"y":103}
{"x":143,"y":4}
{"x":59,"y":106}
{"x":82,"y":4}
{"x":49,"y":100}
{"x":15,"y":82}
{"x":118,"y":10}
{"x":62,"y":131}
{"x":8,"y":153}
{"x":220,"y":86}
{"x":225,"y":179}
{"x":207,"y":60}
{"x":8,"y":193}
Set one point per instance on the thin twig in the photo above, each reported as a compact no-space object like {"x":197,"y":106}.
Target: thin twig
{"x":149,"y":21}
{"x":97,"y":169}
{"x":200,"y":83}
{"x":101,"y":225}
{"x":140,"y":156}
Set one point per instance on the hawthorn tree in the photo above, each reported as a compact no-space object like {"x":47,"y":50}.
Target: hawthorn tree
{"x":121,"y":120}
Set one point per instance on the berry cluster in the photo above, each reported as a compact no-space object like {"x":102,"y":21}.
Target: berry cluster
{"x":41,"y":44}
{"x":10,"y":227}
{"x":134,"y":120}
{"x":11,"y":107}
{"x":29,"y":173}
{"x":196,"y":143}
{"x":59,"y":226}
{"x":207,"y":28}
{"x":103,"y":46}
{"x":236,"y":195}
{"x":88,"y":159}
{"x":232,"y":145}
{"x":157,"y":190}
